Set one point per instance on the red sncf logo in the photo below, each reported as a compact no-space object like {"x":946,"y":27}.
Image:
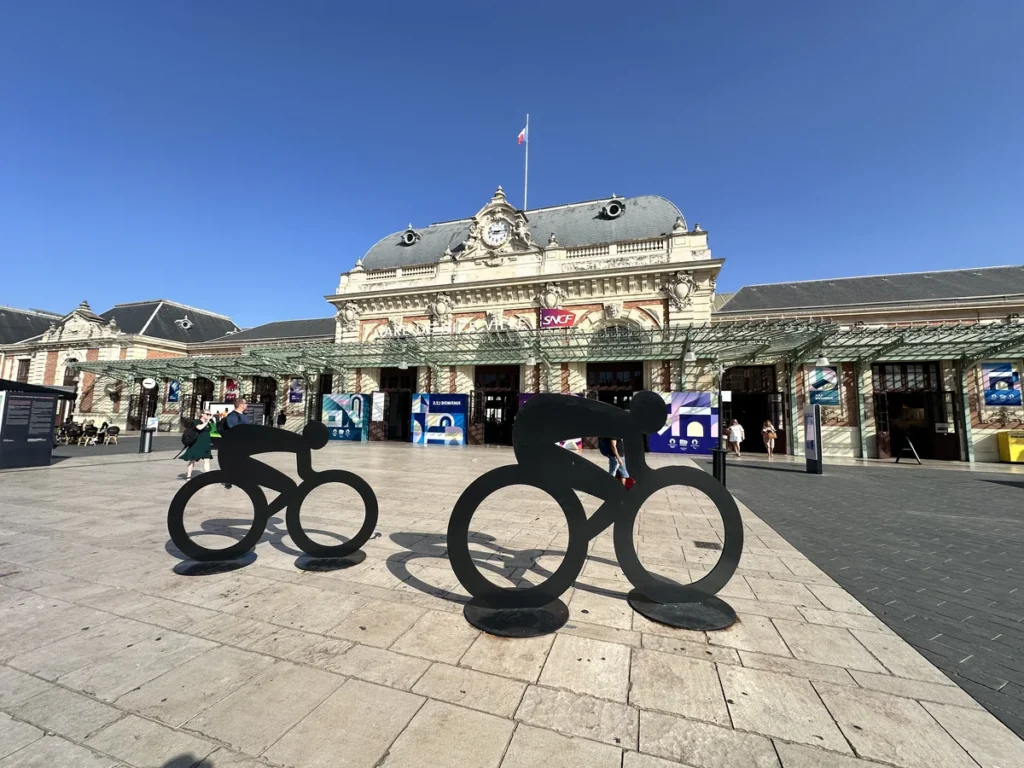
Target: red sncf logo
{"x":556,"y":318}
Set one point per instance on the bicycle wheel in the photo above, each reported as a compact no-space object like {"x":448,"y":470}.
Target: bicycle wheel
{"x":465,"y":568}
{"x":661,"y":589}
{"x":294,"y":523}
{"x":184,"y":542}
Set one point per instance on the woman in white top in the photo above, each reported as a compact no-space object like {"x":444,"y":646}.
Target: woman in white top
{"x":768,"y":435}
{"x":736,"y":436}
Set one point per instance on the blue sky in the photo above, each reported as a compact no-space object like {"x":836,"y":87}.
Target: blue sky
{"x":238,"y":155}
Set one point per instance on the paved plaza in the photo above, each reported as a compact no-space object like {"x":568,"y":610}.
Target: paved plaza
{"x":934,"y":553}
{"x":109,"y":657}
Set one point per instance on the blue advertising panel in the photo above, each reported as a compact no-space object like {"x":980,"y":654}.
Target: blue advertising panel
{"x":173,"y":390}
{"x":1001,"y":383}
{"x":824,"y":385}
{"x":345,"y":416}
{"x":439,"y":419}
{"x":692,"y":426}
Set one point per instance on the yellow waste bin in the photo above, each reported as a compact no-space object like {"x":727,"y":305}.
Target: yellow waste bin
{"x":1011,"y":446}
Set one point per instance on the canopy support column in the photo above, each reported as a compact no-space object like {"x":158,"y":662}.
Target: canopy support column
{"x":967,"y":439}
{"x":862,"y":414}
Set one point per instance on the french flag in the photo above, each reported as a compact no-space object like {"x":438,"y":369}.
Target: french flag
{"x":522,"y":138}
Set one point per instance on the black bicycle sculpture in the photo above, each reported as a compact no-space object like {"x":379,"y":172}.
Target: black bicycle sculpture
{"x":543,"y":420}
{"x":238,"y":468}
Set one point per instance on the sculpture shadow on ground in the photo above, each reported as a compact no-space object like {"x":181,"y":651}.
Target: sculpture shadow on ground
{"x":187,"y":760}
{"x":435,"y":546}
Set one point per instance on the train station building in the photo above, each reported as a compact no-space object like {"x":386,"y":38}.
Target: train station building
{"x":600,"y":299}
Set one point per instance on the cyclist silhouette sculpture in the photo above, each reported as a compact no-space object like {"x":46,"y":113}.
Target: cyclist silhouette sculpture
{"x":543,"y":420}
{"x":238,"y":467}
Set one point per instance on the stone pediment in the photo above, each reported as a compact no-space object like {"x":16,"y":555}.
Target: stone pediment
{"x":81,"y":324}
{"x":497,"y":232}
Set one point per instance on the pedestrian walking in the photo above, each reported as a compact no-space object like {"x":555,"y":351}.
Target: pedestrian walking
{"x":197,"y":440}
{"x":282,"y":419}
{"x":233,"y":419}
{"x":768,"y":436}
{"x":736,"y":436}
{"x":613,"y":449}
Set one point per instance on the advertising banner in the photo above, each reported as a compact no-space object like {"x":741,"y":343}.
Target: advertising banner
{"x":295,"y":390}
{"x":824,"y":385}
{"x":692,"y":426}
{"x":230,"y":390}
{"x":556,"y":318}
{"x":173,"y":390}
{"x":574,"y":444}
{"x":1001,"y":383}
{"x":345,"y":416}
{"x":439,"y":419}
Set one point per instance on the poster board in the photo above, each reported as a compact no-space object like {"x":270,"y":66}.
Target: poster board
{"x":344,"y":415}
{"x":692,"y":426}
{"x":1001,"y":384}
{"x":26,"y":428}
{"x":439,"y":419}
{"x":823,"y":384}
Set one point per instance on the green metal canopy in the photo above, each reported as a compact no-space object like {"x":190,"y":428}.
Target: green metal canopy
{"x":728,"y":343}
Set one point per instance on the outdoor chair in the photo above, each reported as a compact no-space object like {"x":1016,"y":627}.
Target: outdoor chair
{"x":112,"y":433}
{"x":73,"y":434}
{"x":88,"y":435}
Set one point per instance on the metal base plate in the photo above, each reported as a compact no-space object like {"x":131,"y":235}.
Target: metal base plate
{"x":516,"y":622}
{"x":711,"y":614}
{"x":310,"y":563}
{"x":211,"y":567}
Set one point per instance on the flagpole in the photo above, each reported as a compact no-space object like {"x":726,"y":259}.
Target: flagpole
{"x":526,"y":167}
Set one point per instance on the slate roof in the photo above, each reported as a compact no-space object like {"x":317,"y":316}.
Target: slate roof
{"x":908,"y":288}
{"x":20,"y":324}
{"x":574,"y":225}
{"x":157,"y":319}
{"x":320,"y":327}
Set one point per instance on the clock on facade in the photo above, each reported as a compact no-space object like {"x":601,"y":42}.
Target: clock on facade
{"x":497,"y":233}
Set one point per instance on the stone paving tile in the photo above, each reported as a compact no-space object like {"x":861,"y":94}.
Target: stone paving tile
{"x":779,"y":705}
{"x":751,"y":633}
{"x":84,"y":647}
{"x":531,"y":747}
{"x":808,"y":670}
{"x":232,"y":630}
{"x":702,"y":745}
{"x":601,"y":632}
{"x":522,"y":659}
{"x":438,"y":636}
{"x":352,"y":728}
{"x":377,"y":623}
{"x":601,"y":609}
{"x":14,"y":735}
{"x":376,"y":665}
{"x":320,"y":615}
{"x":899,"y":658}
{"x":180,"y":694}
{"x":301,"y":647}
{"x":704,"y":651}
{"x":827,"y":645}
{"x":54,"y":752}
{"x":892,"y":729}
{"x":988,"y":741}
{"x":800,"y":756}
{"x":261,"y":711}
{"x":475,"y":690}
{"x":588,"y":666}
{"x":115,"y":675}
{"x":145,"y":743}
{"x":67,"y":713}
{"x":445,"y":735}
{"x":845,"y":620}
{"x":782,"y":592}
{"x":677,"y":684}
{"x":578,"y":715}
{"x":16,"y":687}
{"x":915,"y":689}
{"x":640,"y":760}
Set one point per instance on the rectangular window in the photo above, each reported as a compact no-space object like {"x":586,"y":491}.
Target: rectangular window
{"x":23,"y":366}
{"x":906,"y":377}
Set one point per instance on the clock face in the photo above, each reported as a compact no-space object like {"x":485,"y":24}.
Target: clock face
{"x":496,"y":233}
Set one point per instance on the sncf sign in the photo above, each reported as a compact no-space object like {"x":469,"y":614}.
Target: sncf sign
{"x":556,"y":318}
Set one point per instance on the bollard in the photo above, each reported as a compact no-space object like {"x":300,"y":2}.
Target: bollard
{"x":718,"y":464}
{"x":146,"y":440}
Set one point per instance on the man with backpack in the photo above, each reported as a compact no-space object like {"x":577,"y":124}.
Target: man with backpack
{"x":610,"y":447}
{"x":233,"y":419}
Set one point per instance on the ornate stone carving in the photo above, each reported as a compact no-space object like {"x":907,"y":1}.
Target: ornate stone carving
{"x":348,"y":315}
{"x":618,"y":261}
{"x":612,"y":310}
{"x":551,"y":297}
{"x":441,"y":308}
{"x":679,"y":227}
{"x":552,"y":242}
{"x":493,"y":318}
{"x":184,"y":323}
{"x":680,"y":290}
